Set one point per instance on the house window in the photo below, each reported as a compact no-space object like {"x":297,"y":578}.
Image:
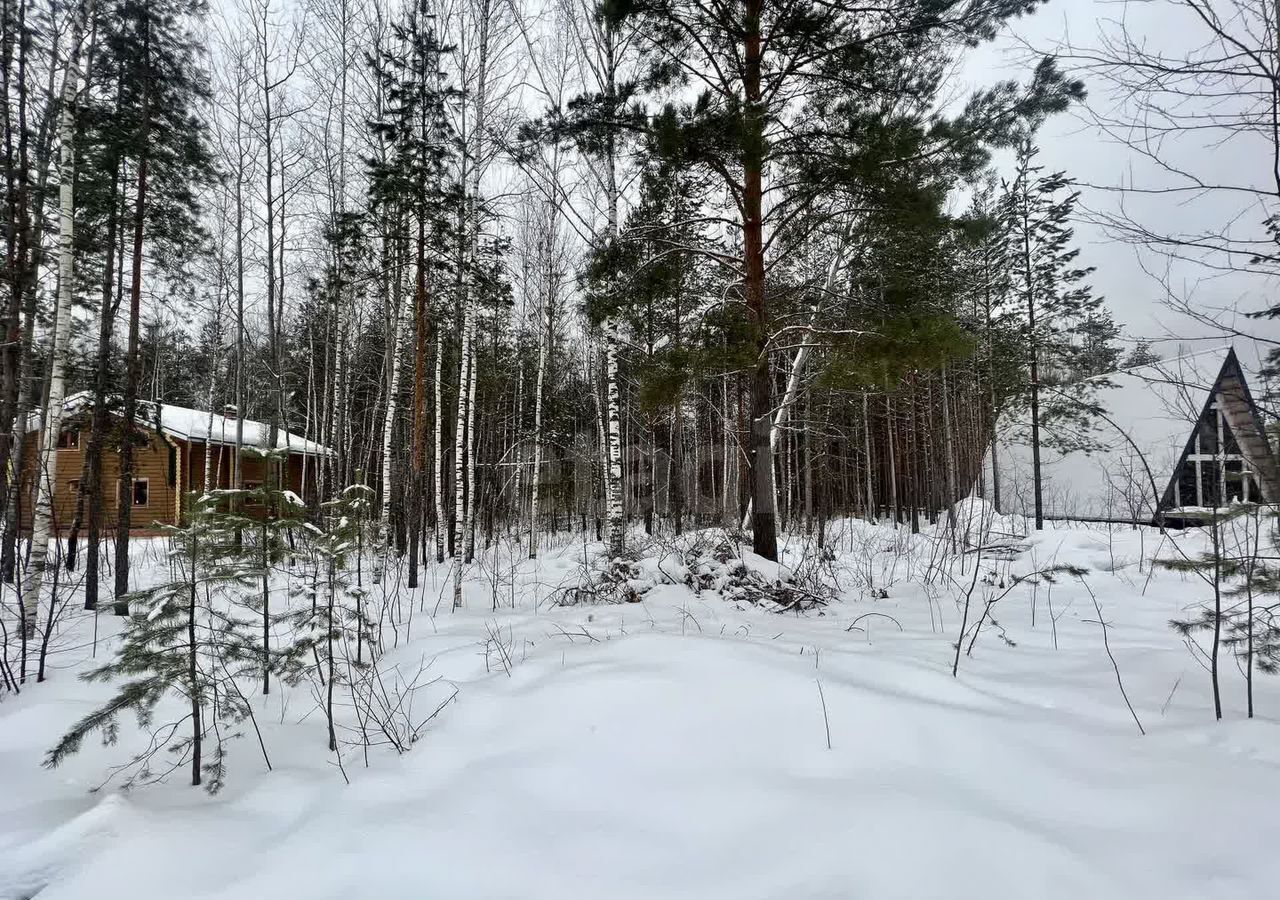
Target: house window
{"x":141,"y":491}
{"x":250,"y":487}
{"x":69,"y":440}
{"x":74,"y":486}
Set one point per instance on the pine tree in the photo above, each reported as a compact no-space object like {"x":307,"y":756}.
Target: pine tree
{"x":1142,"y":354}
{"x":815,"y":90}
{"x":149,"y":62}
{"x":1055,"y":301}
{"x":412,"y":181}
{"x":988,"y":263}
{"x":185,"y":642}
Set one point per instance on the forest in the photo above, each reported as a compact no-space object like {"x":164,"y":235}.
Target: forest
{"x":536,"y":267}
{"x":575,"y":305}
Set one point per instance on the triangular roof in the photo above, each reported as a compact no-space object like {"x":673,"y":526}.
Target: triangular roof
{"x":1144,"y":436}
{"x":1242,"y":417}
{"x":186,"y":424}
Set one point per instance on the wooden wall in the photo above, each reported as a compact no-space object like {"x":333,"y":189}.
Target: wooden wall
{"x":157,"y":462}
{"x":172,"y":468}
{"x":254,"y":470}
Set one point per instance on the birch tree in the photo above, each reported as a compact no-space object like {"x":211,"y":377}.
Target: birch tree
{"x":486,"y":35}
{"x":47,"y":462}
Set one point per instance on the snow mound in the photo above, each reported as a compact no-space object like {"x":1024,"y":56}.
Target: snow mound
{"x":706,"y":560}
{"x":979,"y":524}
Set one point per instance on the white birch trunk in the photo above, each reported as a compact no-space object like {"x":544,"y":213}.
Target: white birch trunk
{"x":47,"y":463}
{"x":613,"y":422}
{"x":512,"y":438}
{"x":603,"y":442}
{"x":337,"y":415}
{"x":459,"y":463}
{"x":393,"y":395}
{"x":213,"y":382}
{"x":805,"y":350}
{"x":801,"y":359}
{"x":473,"y":502}
{"x":462,"y":440}
{"x":438,"y":472}
{"x":544,"y":338}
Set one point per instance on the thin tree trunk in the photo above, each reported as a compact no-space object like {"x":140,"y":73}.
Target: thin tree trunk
{"x":463,"y":441}
{"x":395,"y":320}
{"x":1028,"y":274}
{"x":438,"y":470}
{"x":949,"y":451}
{"x":544,"y":339}
{"x":893,"y":462}
{"x":47,"y":464}
{"x":91,"y":487}
{"x":764,"y":526}
{"x":134,"y":363}
{"x":420,"y":338}
{"x":869,"y":502}
{"x":473,"y":493}
{"x":193,"y":673}
{"x":1217,"y":614}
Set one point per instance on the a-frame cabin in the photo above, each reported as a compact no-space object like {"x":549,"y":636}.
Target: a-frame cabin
{"x":1175,"y":436}
{"x":1227,"y":456}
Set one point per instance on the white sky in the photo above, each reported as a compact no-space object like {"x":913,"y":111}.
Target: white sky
{"x":1072,"y":142}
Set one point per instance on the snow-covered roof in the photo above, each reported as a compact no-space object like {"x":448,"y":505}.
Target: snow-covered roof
{"x":198,"y":425}
{"x":1149,"y":413}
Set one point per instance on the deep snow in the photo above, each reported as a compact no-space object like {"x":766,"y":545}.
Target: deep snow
{"x":676,"y":747}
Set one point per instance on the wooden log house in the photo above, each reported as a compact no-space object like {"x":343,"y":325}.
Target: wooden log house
{"x":167,"y":466}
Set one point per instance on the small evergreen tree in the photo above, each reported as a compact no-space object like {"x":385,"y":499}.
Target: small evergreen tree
{"x":1142,"y":354}
{"x":336,"y":614}
{"x":1096,"y":351}
{"x":1240,"y":570}
{"x":178,"y":656}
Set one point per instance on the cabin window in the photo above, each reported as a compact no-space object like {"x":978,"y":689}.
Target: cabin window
{"x":74,"y":486}
{"x":250,"y":487}
{"x":141,"y":491}
{"x":173,"y":467}
{"x":69,"y":440}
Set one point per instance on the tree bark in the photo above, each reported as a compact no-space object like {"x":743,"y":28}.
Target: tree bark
{"x":47,"y":464}
{"x":764,"y":527}
{"x":134,"y":362}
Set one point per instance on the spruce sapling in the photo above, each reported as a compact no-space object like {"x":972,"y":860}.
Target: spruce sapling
{"x":176,"y":647}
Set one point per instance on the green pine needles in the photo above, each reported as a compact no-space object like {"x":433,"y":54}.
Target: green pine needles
{"x":198,"y":640}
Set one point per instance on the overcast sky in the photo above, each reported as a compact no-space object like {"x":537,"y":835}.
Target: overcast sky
{"x":1072,"y":142}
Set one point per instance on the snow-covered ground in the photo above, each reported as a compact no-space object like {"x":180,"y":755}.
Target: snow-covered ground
{"x":678,"y":747}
